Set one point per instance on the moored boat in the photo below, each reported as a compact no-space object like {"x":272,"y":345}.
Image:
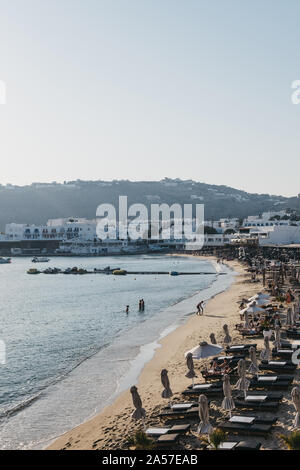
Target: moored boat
{"x":5,"y":260}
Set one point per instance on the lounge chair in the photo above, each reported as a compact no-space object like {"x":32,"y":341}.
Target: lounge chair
{"x":282,"y":366}
{"x":269,"y":383}
{"x":255,"y":395}
{"x":284,"y":353}
{"x":240,"y":428}
{"x":256,"y":405}
{"x":167,"y":440}
{"x":156,"y":432}
{"x":238,"y":445}
{"x":186,"y":410}
{"x":241,"y":349}
{"x":257,"y":419}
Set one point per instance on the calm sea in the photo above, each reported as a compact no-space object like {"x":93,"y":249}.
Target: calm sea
{"x":70,"y":346}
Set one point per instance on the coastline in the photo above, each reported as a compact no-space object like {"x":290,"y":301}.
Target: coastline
{"x":97,"y":432}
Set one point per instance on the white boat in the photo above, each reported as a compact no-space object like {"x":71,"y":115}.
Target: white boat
{"x":40,"y":259}
{"x":5,"y":260}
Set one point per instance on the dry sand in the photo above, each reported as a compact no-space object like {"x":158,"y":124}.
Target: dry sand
{"x":112,"y":427}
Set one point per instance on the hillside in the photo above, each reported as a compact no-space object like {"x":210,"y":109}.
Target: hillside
{"x":39,"y":202}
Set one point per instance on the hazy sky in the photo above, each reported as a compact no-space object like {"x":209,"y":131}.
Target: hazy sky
{"x":143,"y":89}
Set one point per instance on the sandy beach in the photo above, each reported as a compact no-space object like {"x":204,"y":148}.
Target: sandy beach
{"x":113,"y":426}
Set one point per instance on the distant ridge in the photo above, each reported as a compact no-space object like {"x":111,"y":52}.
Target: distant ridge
{"x":40,"y":201}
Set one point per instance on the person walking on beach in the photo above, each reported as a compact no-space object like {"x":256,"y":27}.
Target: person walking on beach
{"x":143,"y":304}
{"x":127,"y":309}
{"x":200,"y":310}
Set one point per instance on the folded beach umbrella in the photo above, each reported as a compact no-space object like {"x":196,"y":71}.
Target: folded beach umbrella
{"x":190,"y":364}
{"x":253,"y":369}
{"x":243,"y":383}
{"x":167,"y":392}
{"x":227,"y":403}
{"x":296,"y":401}
{"x":212,"y":338}
{"x":277,"y":342}
{"x":227,"y":338}
{"x":289,"y":321}
{"x":204,"y":426}
{"x":246,"y":318}
{"x":139,"y":412}
{"x":266,"y":352}
{"x":205,"y":350}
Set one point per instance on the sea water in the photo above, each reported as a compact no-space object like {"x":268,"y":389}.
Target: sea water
{"x":70,"y":346}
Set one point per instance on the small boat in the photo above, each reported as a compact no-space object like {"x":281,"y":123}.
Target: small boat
{"x":40,"y":259}
{"x":33,"y":271}
{"x":174,"y":273}
{"x":5,"y":260}
{"x":120,"y":272}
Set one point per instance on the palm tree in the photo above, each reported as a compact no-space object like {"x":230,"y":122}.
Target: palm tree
{"x":292,"y":440}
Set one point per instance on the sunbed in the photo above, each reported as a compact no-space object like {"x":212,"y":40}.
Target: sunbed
{"x":282,"y":366}
{"x":156,"y":431}
{"x":258,"y":395}
{"x":269,"y":382}
{"x":242,"y":445}
{"x":176,"y":410}
{"x":241,"y":349}
{"x":240,"y":428}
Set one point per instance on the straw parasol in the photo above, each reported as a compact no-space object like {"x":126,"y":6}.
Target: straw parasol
{"x":190,"y":364}
{"x":227,"y":403}
{"x":212,"y":338}
{"x":139,"y":412}
{"x":227,"y":338}
{"x":253,"y":369}
{"x":289,"y":320}
{"x":243,"y":383}
{"x":296,"y":401}
{"x":277,"y":342}
{"x":204,"y":426}
{"x":167,"y":392}
{"x":266,"y":352}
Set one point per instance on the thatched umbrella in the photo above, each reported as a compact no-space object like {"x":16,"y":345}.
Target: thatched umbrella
{"x":277,"y":342}
{"x":227,"y":338}
{"x":212,"y":338}
{"x":296,"y":401}
{"x":191,"y":374}
{"x":139,"y":412}
{"x":167,"y":392}
{"x":289,"y":320}
{"x":243,"y":383}
{"x":227,"y":403}
{"x":253,"y":369}
{"x":266,"y":352}
{"x":204,"y":426}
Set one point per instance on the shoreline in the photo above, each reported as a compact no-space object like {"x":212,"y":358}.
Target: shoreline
{"x":95,"y":429}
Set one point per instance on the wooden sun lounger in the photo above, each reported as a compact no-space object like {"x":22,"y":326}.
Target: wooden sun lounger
{"x":259,"y":419}
{"x":186,"y":413}
{"x":156,"y":431}
{"x":261,"y":406}
{"x":275,"y":384}
{"x":240,"y":428}
{"x":286,"y":368}
{"x":271,"y":396}
{"x":242,"y":445}
{"x":284,"y":353}
{"x":240,"y":349}
{"x":209,"y":392}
